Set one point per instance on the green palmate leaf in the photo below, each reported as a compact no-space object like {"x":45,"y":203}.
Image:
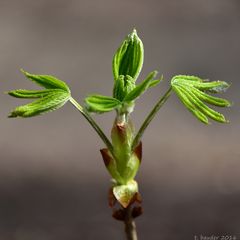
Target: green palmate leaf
{"x":142,"y":87}
{"x":100,"y":104}
{"x":190,"y":90}
{"x":22,"y":93}
{"x":128,"y":59}
{"x":47,"y":81}
{"x":53,"y":97}
{"x":49,"y":102}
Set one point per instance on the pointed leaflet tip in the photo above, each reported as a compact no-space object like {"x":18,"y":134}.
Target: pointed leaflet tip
{"x":133,"y":34}
{"x":22,"y":70}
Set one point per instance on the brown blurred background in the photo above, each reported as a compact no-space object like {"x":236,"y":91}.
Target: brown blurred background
{"x":53,"y":185}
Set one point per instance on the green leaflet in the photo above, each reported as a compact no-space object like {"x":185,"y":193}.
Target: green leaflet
{"x":128,"y":59}
{"x":220,"y":102}
{"x":50,"y":102}
{"x":202,"y":107}
{"x":142,"y":87}
{"x":100,"y":104}
{"x":201,"y":84}
{"x":212,"y":87}
{"x":190,"y":90}
{"x":47,"y":81}
{"x":187,"y":78}
{"x":155,"y":82}
{"x":22,"y":93}
{"x":190,"y":106}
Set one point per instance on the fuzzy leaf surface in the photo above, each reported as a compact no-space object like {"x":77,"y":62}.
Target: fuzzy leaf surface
{"x":128,"y":59}
{"x":47,"y":81}
{"x":192,"y":90}
{"x":54,"y":96}
{"x":22,"y":93}
{"x":50,"y":102}
{"x":101,"y":104}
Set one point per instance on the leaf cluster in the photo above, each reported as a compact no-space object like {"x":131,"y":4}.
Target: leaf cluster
{"x":125,"y":92}
{"x":127,"y":63}
{"x":193,"y":93}
{"x":54,"y":96}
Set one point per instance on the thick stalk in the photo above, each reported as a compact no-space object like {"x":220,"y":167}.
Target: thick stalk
{"x":149,"y":118}
{"x":130,"y":226}
{"x":93,"y":124}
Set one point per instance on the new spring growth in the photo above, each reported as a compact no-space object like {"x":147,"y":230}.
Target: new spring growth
{"x":123,"y":153}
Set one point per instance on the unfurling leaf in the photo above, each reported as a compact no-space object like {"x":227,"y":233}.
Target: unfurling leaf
{"x":142,"y":87}
{"x":53,"y":97}
{"x":119,"y":88}
{"x":192,"y":90}
{"x":128,"y":59}
{"x":50,"y":102}
{"x":122,"y":86}
{"x":100,"y":104}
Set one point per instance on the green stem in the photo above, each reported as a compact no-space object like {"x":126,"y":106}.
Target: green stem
{"x":149,"y":118}
{"x":93,"y":124}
